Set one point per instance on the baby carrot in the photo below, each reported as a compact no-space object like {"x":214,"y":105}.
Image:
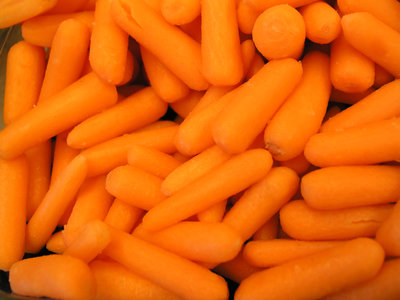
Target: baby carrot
{"x":349,"y":98}
{"x":279,"y":32}
{"x":123,"y":216}
{"x":56,"y":243}
{"x":135,"y":186}
{"x":74,"y":104}
{"x":254,"y":103}
{"x":13,"y":194}
{"x":54,"y":276}
{"x":261,"y":201}
{"x":255,"y":66}
{"x":382,"y":77}
{"x":302,"y":222}
{"x":193,"y":29}
{"x":24,"y":77}
{"x":374,"y":39}
{"x":179,"y":12}
{"x":387,"y":234}
{"x":60,"y":194}
{"x":246,"y":16}
{"x":184,"y":106}
{"x":248,"y":53}
{"x":316,"y":275}
{"x":67,"y":6}
{"x":302,"y":113}
{"x":220,"y":44}
{"x":141,"y":108}
{"x":299,"y":164}
{"x":265,"y":4}
{"x":268,"y":231}
{"x":212,"y":94}
{"x":115,"y":282}
{"x":214,"y":213}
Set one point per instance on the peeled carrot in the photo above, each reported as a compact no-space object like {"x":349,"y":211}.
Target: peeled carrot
{"x":24,"y":77}
{"x":54,"y":276}
{"x":279,"y":32}
{"x":184,"y":106}
{"x":302,"y":222}
{"x":349,"y":98}
{"x":13,"y":193}
{"x":214,"y":213}
{"x":316,"y":275}
{"x":299,"y":164}
{"x":246,"y":16}
{"x":387,"y":234}
{"x":180,"y":12}
{"x":255,"y":66}
{"x":130,"y":70}
{"x":56,"y":243}
{"x":263,"y":200}
{"x":123,"y":216}
{"x":141,"y":108}
{"x":248,"y":52}
{"x":115,"y":282}
{"x":265,"y":4}
{"x":268,"y":231}
{"x":67,"y":6}
{"x":382,"y":77}
{"x":302,"y":113}
{"x":212,"y":94}
{"x":193,"y":29}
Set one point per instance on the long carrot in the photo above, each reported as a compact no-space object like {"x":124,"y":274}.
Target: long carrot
{"x":123,"y":216}
{"x":389,"y":231}
{"x":179,"y":12}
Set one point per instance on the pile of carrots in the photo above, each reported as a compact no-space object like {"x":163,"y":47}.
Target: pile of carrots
{"x":159,"y":147}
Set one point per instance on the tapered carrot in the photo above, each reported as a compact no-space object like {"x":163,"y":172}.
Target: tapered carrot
{"x":299,"y":164}
{"x":222,"y":62}
{"x":374,"y":39}
{"x":14,"y":12}
{"x":214,"y":213}
{"x":105,"y":156}
{"x":316,"y":275}
{"x":115,"y":282}
{"x":212,"y":94}
{"x":351,"y":71}
{"x":279,"y":32}
{"x":301,"y":115}
{"x":184,"y":106}
{"x":387,"y":234}
{"x":92,"y":203}
{"x":141,"y":108}
{"x":193,"y":169}
{"x":135,"y":186}
{"x":382,"y":77}
{"x":75,"y":103}
{"x":14,"y":191}
{"x":349,"y":98}
{"x":198,"y":241}
{"x":180,"y":12}
{"x":40,"y":30}
{"x":233,"y":176}
{"x":268,"y":231}
{"x":54,"y":276}
{"x":265,"y":4}
{"x":56,"y":243}
{"x":123,"y":216}
{"x":67,"y":6}
{"x":153,"y":161}
{"x":384,"y":286}
{"x":108,"y":45}
{"x":302,"y":222}
{"x":24,"y":77}
{"x":254,"y":103}
{"x":165,"y":268}
{"x":246,"y":16}
{"x":364,"y":144}
{"x":260,"y":202}
{"x":155,"y":34}
{"x":165,"y":84}
{"x":60,"y":194}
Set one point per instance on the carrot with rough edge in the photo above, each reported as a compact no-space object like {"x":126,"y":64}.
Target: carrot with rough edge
{"x":54,"y":276}
{"x":40,"y":30}
{"x":351,"y":71}
{"x":384,"y":286}
{"x":382,"y":77}
{"x":214,"y":213}
{"x":135,"y":186}
{"x":222,"y":62}
{"x":165,"y":84}
{"x":254,"y":103}
{"x":255,"y":66}
{"x":374,"y":39}
{"x":265,"y":4}
{"x":115,"y":282}
{"x":198,"y":241}
{"x":155,"y":34}
{"x":349,"y":98}
{"x":184,"y":106}
{"x":361,"y":145}
{"x":387,"y":235}
{"x":123,"y":216}
{"x":302,"y":113}
{"x":56,"y":243}
{"x":322,"y":22}
{"x":13,"y":194}
{"x":153,"y":161}
{"x":316,"y":275}
{"x":141,"y":108}
{"x":299,"y":164}
{"x":246,"y":16}
{"x":193,"y":169}
{"x":179,"y":12}
{"x":263,"y":254}
{"x":302,"y":222}
{"x":23,"y":80}
{"x":268,"y":231}
{"x":279,"y":32}
{"x":67,"y":6}
{"x":262,"y":201}
{"x":218,"y":184}
{"x":80,"y":100}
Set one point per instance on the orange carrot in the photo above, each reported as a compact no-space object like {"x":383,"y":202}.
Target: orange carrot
{"x":180,"y":12}
{"x":184,"y":106}
{"x":165,"y":268}
{"x":212,"y":94}
{"x":254,"y":103}
{"x":279,"y":32}
{"x":265,"y":4}
{"x":260,"y":202}
{"x":218,"y":184}
{"x":54,"y":276}
{"x":214,"y":213}
{"x":349,"y":98}
{"x":247,"y":16}
{"x":302,"y":222}
{"x":56,"y":243}
{"x":387,"y":234}
{"x":24,"y":76}
{"x":248,"y":53}
{"x":193,"y":29}
{"x":268,"y":231}
{"x":332,"y":111}
{"x":382,"y":77}
{"x":316,"y":275}
{"x":13,"y":193}
{"x":255,"y":66}
{"x":130,"y":71}
{"x":299,"y":164}
{"x":301,"y":115}
{"x":123,"y":216}
{"x":67,"y":6}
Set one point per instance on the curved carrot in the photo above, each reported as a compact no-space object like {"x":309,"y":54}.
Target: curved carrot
{"x":214,"y":213}
{"x":246,"y":16}
{"x":268,"y":231}
{"x":180,"y":12}
{"x":56,"y":243}
{"x":387,"y":234}
{"x":382,"y":77}
{"x":184,"y":106}
{"x":123,"y":216}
